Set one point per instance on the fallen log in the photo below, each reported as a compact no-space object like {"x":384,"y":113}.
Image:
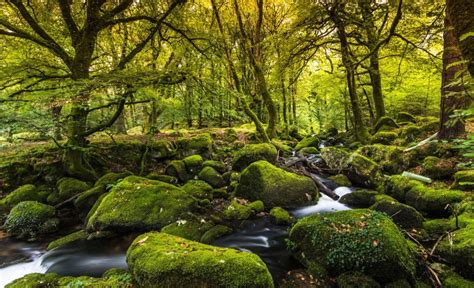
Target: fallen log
{"x":322,"y":188}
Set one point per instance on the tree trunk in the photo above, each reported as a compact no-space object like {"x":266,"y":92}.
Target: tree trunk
{"x":375,"y":80}
{"x":452,"y":90}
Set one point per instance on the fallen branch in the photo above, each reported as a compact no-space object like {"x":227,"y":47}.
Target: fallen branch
{"x":426,"y":141}
{"x":322,"y":188}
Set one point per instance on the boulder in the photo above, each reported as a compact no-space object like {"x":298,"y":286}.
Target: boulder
{"x":218,"y":165}
{"x":67,"y":188}
{"x":192,"y":229}
{"x":438,"y":168}
{"x":73,"y":237}
{"x":30,"y":218}
{"x":193,"y":164}
{"x":403,"y":215}
{"x":212,"y":177}
{"x":139,"y":204}
{"x":459,"y":251}
{"x":280,"y":216}
{"x":385,"y":123}
{"x":383,"y":137}
{"x":392,"y":159}
{"x":214,"y":233}
{"x":162,"y":149}
{"x":199,"y":189}
{"x":433,"y":201}
{"x":199,"y":144}
{"x":363,"y":198}
{"x":176,"y":262}
{"x":275,"y":186}
{"x":310,"y":141}
{"x":340,"y":180}
{"x":111,"y":178}
{"x":26,"y":192}
{"x":237,"y":211}
{"x":253,"y":152}
{"x":87,"y":199}
{"x":464,"y":180}
{"x":177,"y":169}
{"x":354,"y":240}
{"x":405,"y":117}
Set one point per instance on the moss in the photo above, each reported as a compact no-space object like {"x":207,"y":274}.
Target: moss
{"x":162,"y":260}
{"x":402,"y":283}
{"x":360,"y":198}
{"x":456,"y":281}
{"x":137,"y":204}
{"x":212,"y":177}
{"x":230,"y":135}
{"x":87,"y":199}
{"x":437,"y":168}
{"x":432,"y":201}
{"x":217,"y":165}
{"x":354,"y":240}
{"x":253,"y":152}
{"x":308,"y":151}
{"x":162,"y":149}
{"x":220,"y":193}
{"x":410,"y":133}
{"x":405,"y":117}
{"x":437,"y":227}
{"x":384,"y":137}
{"x":310,"y":141}
{"x":199,"y":189}
{"x":386,"y":123}
{"x":275,"y":186}
{"x":403,"y":215}
{"x":214,"y":233}
{"x":177,"y":169}
{"x":459,"y":250}
{"x":78,"y":235}
{"x":30,"y":218}
{"x":163,"y":178}
{"x":199,"y":144}
{"x":231,"y":176}
{"x":26,"y":192}
{"x":391,"y":158}
{"x":69,"y":187}
{"x":193,"y":164}
{"x":341,"y":180}
{"x":35,"y":280}
{"x":236,"y":211}
{"x":111,"y":178}
{"x":465,"y":215}
{"x":257,"y":206}
{"x":190,"y":229}
{"x":282,"y":147}
{"x":464,"y":180}
{"x":398,"y":186}
{"x":280,"y":216}
{"x":356,"y":280}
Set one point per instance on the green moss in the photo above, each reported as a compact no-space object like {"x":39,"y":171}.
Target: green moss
{"x":137,"y":204}
{"x":280,"y":216}
{"x":26,"y":192}
{"x":69,"y":187}
{"x":163,"y":178}
{"x":193,"y":164}
{"x":308,"y":151}
{"x":402,"y":283}
{"x":230,"y":135}
{"x":111,"y":178}
{"x":360,"y":198}
{"x":341,"y":180}
{"x":398,"y":186}
{"x":190,"y":229}
{"x":465,"y":215}
{"x":236,"y":211}
{"x":354,"y":240}
{"x":36,"y":280}
{"x":391,"y":158}
{"x":162,"y":149}
{"x":383,"y":137}
{"x":214,"y":233}
{"x":310,"y":141}
{"x":356,"y":280}
{"x":78,"y":235}
{"x":275,"y":186}
{"x":212,"y":177}
{"x":405,"y":117}
{"x":231,"y":176}
{"x":253,"y":152}
{"x":403,"y":215}
{"x":257,"y":206}
{"x":410,"y":133}
{"x":217,"y":165}
{"x":385,"y":123}
{"x":30,"y":218}
{"x":459,"y":250}
{"x":432,"y":201}
{"x":199,"y":144}
{"x":162,"y":260}
{"x":464,"y":180}
{"x":177,"y":169}
{"x":437,"y":227}
{"x":199,"y":189}
{"x":87,"y":199}
{"x":220,"y":193}
{"x":437,"y":168}
{"x":456,"y":281}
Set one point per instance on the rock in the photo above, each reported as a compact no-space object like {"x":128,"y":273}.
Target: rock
{"x":230,"y":135}
{"x":405,"y":117}
{"x":257,"y":206}
{"x":217,"y":165}
{"x":35,"y":280}
{"x":237,"y":211}
{"x":280,"y":216}
{"x":464,"y":180}
{"x":220,"y":193}
{"x":432,"y":201}
{"x":189,"y":229}
{"x":397,"y":186}
{"x":199,"y":189}
{"x":177,"y":169}
{"x":356,"y":280}
{"x":403,"y":215}
{"x":212,"y":177}
{"x":214,"y":233}
{"x":392,"y":159}
{"x":355,"y":240}
{"x":410,"y":133}
{"x":26,"y":192}
{"x":87,"y":199}
{"x":199,"y":144}
{"x":459,"y":251}
{"x":193,"y":164}
{"x":308,"y":151}
{"x":163,"y":178}
{"x":67,"y":188}
{"x":437,"y":227}
{"x":384,"y":137}
{"x":176,"y":262}
{"x":30,"y":218}
{"x":253,"y":152}
{"x":162,"y":149}
{"x":76,"y":236}
{"x":437,"y":168}
{"x":310,"y":141}
{"x":363,"y":198}
{"x":385,"y":123}
{"x":341,"y":180}
{"x":140,"y":204}
{"x":275,"y":187}
{"x":465,"y":213}
{"x":111,"y":178}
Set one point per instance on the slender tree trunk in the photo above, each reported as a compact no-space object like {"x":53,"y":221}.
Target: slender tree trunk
{"x":452,"y":90}
{"x":376,"y":81}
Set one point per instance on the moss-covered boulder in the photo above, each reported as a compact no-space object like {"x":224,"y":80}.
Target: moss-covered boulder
{"x":230,"y":135}
{"x":410,"y":133}
{"x":363,"y":198}
{"x":383,"y":137}
{"x":73,"y":237}
{"x":176,"y":262}
{"x":214,"y":233}
{"x":217,"y":165}
{"x":30,"y":218}
{"x":405,"y":117}
{"x":385,"y":123}
{"x":162,"y":149}
{"x":140,"y":204}
{"x":403,"y":215}
{"x":433,"y":201}
{"x":35,"y":280}
{"x":257,"y":206}
{"x":192,"y":229}
{"x":26,"y":192}
{"x":355,"y":240}
{"x":177,"y":169}
{"x":397,"y":186}
{"x":458,"y":250}
{"x":437,"y":227}
{"x":163,"y":178}
{"x":253,"y":152}
{"x":464,"y":180}
{"x":87,"y":199}
{"x":193,"y":164}
{"x":438,"y":168}
{"x":199,"y":144}
{"x":212,"y":177}
{"x":237,"y":211}
{"x":280,"y":216}
{"x":199,"y":189}
{"x":111,"y":178}
{"x":391,"y":158}
{"x":67,"y":188}
{"x":275,"y":186}
{"x":310,"y":141}
{"x":356,"y":280}
{"x":341,"y":180}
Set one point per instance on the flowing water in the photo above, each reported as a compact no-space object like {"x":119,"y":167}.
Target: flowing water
{"x":94,"y":257}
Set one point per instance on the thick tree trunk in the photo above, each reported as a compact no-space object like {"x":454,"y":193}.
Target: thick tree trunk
{"x":376,"y":81}
{"x":452,"y":91}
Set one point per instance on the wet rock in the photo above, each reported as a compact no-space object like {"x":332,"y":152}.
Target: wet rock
{"x":212,"y":177}
{"x":403,"y":215}
{"x":310,"y":141}
{"x":253,"y":152}
{"x":176,"y":262}
{"x":192,"y":229}
{"x":237,"y":211}
{"x":280,"y":216}
{"x":214,"y":233}
{"x":75,"y":236}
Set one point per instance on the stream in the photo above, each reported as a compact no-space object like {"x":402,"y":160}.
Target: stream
{"x":94,"y":257}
